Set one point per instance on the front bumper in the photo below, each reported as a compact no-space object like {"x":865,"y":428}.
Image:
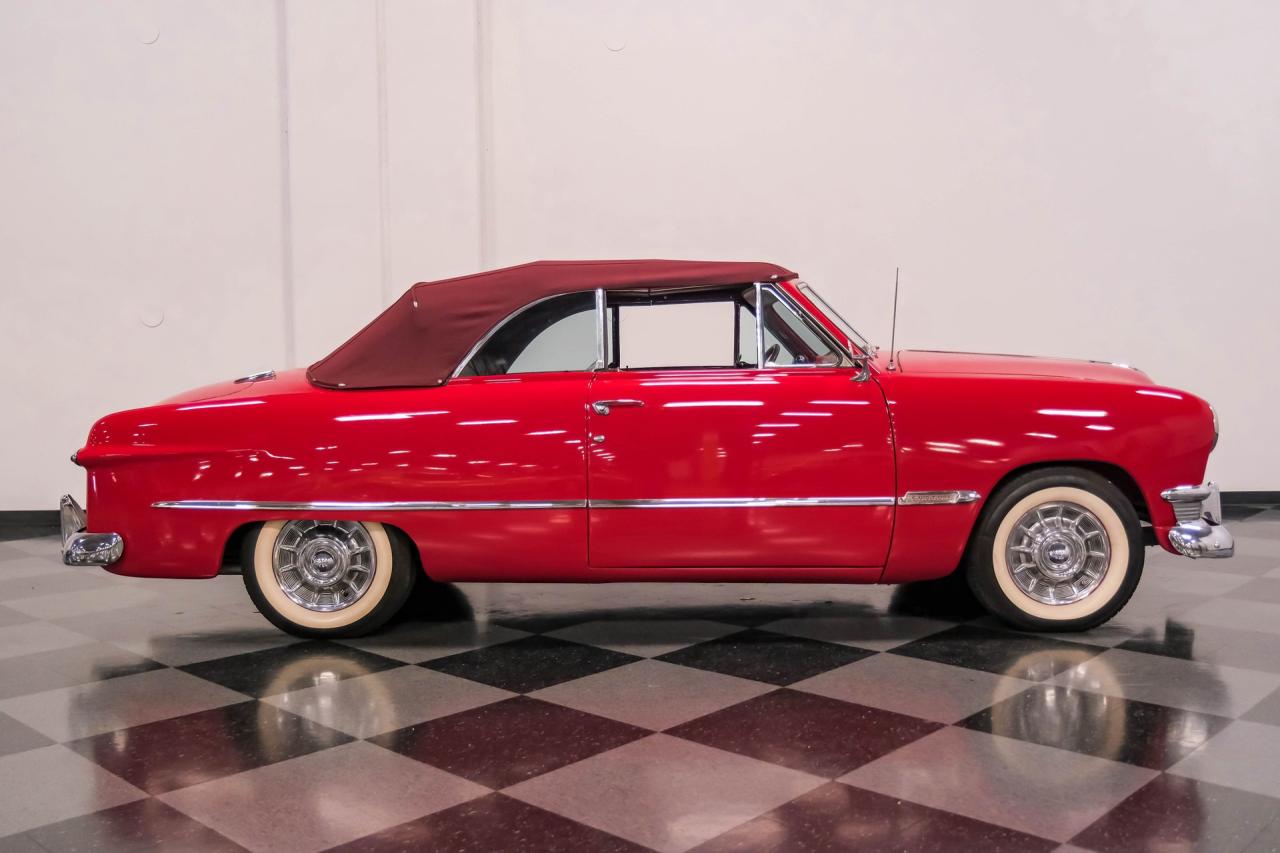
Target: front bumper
{"x":1199,"y":531}
{"x":86,"y":549}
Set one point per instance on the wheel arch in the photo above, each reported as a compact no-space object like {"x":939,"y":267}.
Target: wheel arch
{"x":1122,"y":479}
{"x":231,"y":548}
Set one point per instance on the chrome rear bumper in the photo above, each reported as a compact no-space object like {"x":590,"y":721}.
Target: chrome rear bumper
{"x":1199,"y":531}
{"x":85,"y":549}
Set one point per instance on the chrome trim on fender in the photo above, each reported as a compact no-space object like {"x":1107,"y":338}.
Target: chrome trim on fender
{"x":85,"y":549}
{"x":732,"y":503}
{"x":256,"y":377}
{"x":966,"y":496}
{"x":367,"y":506}
{"x":426,"y":506}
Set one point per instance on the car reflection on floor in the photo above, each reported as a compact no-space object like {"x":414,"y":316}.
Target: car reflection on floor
{"x":665,"y":716}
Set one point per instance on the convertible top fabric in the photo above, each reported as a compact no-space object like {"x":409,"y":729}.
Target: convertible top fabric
{"x":422,"y":337}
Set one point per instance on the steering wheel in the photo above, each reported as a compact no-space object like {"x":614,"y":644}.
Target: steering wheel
{"x":771,"y":353}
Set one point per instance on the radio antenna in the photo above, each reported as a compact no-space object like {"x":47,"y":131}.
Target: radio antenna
{"x":893,"y":329}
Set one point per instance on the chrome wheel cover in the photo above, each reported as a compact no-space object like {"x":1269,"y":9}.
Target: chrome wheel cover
{"x":324,"y":565}
{"x":1058,"y":552}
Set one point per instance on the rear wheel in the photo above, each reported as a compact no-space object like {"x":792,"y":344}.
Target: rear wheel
{"x":327,"y":578}
{"x":1059,"y":549}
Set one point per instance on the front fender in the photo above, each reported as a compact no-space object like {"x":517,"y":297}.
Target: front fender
{"x":972,"y":432}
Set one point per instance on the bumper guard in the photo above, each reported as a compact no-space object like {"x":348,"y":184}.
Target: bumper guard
{"x":1199,"y":531}
{"x":85,"y":549}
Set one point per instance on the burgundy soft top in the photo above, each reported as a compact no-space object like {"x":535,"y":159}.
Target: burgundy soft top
{"x":425,"y":333}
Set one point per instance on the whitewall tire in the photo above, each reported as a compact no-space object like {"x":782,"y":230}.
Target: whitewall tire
{"x":327,"y":578}
{"x":1057,"y":549}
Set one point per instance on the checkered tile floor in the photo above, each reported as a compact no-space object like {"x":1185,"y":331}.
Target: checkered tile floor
{"x":168,"y":715}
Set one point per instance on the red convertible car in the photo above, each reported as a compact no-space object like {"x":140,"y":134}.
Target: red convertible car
{"x":587,"y":421}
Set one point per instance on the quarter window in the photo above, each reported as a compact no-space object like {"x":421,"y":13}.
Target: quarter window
{"x":555,"y":335}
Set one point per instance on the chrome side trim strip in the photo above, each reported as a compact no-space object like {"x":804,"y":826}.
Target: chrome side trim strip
{"x":368,"y":506}
{"x":426,"y":506}
{"x":938,"y":498}
{"x":730,"y":503}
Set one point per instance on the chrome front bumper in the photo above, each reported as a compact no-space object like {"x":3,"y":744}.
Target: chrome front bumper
{"x":85,"y":549}
{"x":1199,"y":531}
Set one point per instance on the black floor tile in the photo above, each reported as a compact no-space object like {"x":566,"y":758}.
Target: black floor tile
{"x":16,"y":737}
{"x":837,"y":817}
{"x":137,"y":827}
{"x":1237,"y":512}
{"x":9,"y":616}
{"x":182,"y":751}
{"x":530,"y":663}
{"x":1212,"y":644}
{"x":293,"y":667}
{"x":35,"y":673}
{"x":1177,"y":813}
{"x":1259,"y":589}
{"x":825,"y":737}
{"x":765,"y":656}
{"x":495,"y":822}
{"x":1267,"y":711}
{"x":1000,"y":652}
{"x":509,"y":741}
{"x":1127,"y":730}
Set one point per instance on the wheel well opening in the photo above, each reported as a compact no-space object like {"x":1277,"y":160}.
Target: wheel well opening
{"x":231,"y":563}
{"x":231,"y":550}
{"x":414,"y":553}
{"x":1122,"y":479}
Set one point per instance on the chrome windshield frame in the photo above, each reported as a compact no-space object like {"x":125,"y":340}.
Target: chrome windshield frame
{"x":859,"y":340}
{"x":848,"y":359}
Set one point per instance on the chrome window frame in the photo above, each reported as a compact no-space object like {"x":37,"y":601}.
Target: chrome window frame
{"x":760,"y":365}
{"x":849,"y":359}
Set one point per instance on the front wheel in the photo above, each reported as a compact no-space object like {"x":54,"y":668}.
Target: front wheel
{"x":1059,"y":549}
{"x":326,"y":579}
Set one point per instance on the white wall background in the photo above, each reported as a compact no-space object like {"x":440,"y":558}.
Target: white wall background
{"x":190,"y":191}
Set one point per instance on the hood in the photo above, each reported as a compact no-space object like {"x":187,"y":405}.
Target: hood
{"x":286,"y":381}
{"x":933,"y":362}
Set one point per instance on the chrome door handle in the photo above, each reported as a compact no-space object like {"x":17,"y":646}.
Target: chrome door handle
{"x":602,"y":407}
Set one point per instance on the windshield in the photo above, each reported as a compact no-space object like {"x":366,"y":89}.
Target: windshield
{"x":849,"y":331}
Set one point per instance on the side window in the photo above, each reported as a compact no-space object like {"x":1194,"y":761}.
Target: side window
{"x":674,"y":334}
{"x":557,"y":334}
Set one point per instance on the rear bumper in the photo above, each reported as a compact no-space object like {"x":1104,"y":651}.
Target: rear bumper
{"x":86,"y":549}
{"x":1199,"y":531}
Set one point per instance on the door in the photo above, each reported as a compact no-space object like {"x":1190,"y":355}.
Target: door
{"x":713,"y":460}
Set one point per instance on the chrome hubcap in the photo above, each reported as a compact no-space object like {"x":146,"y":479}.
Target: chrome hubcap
{"x":1058,"y":552}
{"x":324,"y":565}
